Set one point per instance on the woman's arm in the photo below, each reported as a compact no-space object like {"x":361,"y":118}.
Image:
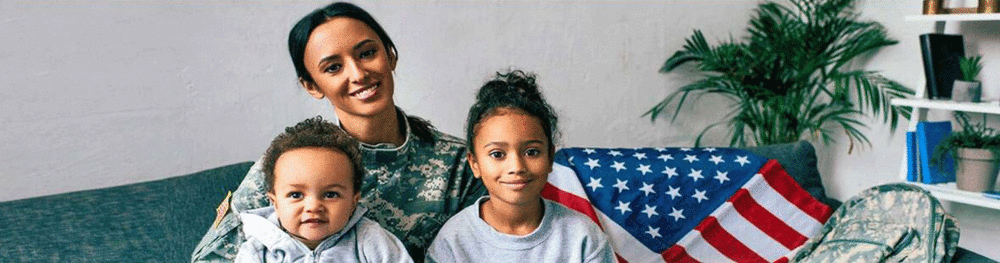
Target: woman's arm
{"x":221,"y":241}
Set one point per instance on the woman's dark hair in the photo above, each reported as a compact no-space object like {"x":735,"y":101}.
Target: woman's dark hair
{"x":508,"y":91}
{"x":299,"y":35}
{"x":313,"y":132}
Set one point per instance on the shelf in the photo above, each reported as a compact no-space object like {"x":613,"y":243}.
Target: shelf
{"x":948,"y":24}
{"x":950,"y":193}
{"x":978,"y":107}
{"x":955,"y":17}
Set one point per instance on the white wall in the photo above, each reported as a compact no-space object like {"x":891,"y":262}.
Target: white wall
{"x":103,"y":93}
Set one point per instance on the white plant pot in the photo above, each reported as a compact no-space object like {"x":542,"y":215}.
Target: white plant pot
{"x":967,"y":91}
{"x":976,"y":169}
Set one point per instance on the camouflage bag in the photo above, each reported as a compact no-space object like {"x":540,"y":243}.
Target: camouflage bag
{"x":887,"y":223}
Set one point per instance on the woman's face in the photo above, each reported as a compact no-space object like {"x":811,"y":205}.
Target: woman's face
{"x":349,"y":66}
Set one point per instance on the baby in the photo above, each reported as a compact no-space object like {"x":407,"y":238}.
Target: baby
{"x":510,"y":130}
{"x":313,"y":173}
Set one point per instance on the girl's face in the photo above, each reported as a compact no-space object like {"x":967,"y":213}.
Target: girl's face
{"x":350,"y":66}
{"x":512,"y":157}
{"x":313,"y":193}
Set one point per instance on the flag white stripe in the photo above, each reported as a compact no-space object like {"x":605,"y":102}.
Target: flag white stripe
{"x":565,"y":179}
{"x":697,"y":248}
{"x":625,"y":244}
{"x":780,"y":207}
{"x":748,"y":233}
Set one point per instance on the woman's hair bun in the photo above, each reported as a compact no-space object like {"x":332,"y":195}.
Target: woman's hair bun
{"x":513,"y":84}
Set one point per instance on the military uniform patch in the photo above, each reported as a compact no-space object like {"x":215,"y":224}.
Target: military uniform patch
{"x":222,"y":209}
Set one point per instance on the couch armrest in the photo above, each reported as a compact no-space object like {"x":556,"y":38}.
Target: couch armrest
{"x":157,"y":221}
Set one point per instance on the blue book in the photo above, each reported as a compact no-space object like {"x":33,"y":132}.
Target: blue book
{"x":992,"y":194}
{"x":912,"y":164}
{"x":929,"y":135}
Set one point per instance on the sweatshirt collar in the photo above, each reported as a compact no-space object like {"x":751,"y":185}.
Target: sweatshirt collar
{"x":263,"y":223}
{"x":513,"y":242}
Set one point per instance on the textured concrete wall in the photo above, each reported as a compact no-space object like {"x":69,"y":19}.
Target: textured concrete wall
{"x":103,"y":93}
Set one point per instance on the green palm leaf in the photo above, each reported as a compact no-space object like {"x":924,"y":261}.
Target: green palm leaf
{"x":790,"y":78}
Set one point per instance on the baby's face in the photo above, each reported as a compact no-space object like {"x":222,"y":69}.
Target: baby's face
{"x":313,"y":193}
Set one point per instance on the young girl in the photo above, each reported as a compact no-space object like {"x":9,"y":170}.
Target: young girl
{"x":510,"y":133}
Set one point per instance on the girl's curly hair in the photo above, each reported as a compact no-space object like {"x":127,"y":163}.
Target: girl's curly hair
{"x":513,"y":90}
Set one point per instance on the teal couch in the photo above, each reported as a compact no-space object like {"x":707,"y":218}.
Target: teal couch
{"x":163,"y":220}
{"x":157,"y":221}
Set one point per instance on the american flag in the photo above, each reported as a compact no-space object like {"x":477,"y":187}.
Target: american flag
{"x":687,"y":204}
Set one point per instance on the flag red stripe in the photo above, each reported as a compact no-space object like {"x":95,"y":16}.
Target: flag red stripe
{"x":574,"y":202}
{"x":570,"y":200}
{"x":787,"y":187}
{"x":782,"y":260}
{"x":764,"y":220}
{"x":677,"y":254}
{"x":725,"y":243}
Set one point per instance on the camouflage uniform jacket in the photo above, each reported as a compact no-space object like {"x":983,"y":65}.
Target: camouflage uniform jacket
{"x":410,"y":190}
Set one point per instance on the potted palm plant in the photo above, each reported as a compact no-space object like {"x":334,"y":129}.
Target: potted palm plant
{"x":976,"y":150}
{"x":967,"y":88}
{"x":792,"y":77}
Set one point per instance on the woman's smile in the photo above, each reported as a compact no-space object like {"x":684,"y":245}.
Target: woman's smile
{"x":366,"y":93}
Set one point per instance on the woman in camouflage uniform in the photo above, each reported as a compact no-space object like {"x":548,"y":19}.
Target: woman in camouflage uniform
{"x":415,"y":176}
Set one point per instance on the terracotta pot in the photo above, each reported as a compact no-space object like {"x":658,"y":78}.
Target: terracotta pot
{"x":976,"y":169}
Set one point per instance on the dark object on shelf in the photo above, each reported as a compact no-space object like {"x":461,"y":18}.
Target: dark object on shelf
{"x":941,"y":54}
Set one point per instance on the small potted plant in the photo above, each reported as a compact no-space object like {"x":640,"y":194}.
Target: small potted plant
{"x":976,"y":149}
{"x":967,"y":88}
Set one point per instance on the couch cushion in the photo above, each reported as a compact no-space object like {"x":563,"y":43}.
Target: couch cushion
{"x":799,"y":160}
{"x":158,"y":221}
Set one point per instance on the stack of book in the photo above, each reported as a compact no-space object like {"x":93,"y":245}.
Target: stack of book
{"x":920,"y":145}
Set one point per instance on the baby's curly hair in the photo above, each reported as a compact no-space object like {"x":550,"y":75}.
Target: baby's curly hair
{"x":313,"y":132}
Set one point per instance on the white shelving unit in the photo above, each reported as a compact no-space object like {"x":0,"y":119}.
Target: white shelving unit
{"x":977,"y":107}
{"x":955,"y":17}
{"x":921,"y":105}
{"x":942,"y":25}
